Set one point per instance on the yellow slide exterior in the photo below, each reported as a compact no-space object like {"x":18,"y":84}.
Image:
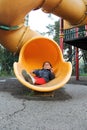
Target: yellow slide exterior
{"x":12,"y":13}
{"x":16,"y":37}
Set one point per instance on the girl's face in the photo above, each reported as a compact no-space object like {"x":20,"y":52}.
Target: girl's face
{"x":47,"y":66}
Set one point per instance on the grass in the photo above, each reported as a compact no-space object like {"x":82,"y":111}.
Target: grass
{"x":83,"y":74}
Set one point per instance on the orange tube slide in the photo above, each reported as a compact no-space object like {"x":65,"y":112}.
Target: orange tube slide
{"x":33,"y":54}
{"x":33,"y":48}
{"x":74,"y":11}
{"x":12,"y":13}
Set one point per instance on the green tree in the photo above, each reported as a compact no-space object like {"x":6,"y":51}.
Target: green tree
{"x":51,"y":31}
{"x":6,"y":61}
{"x":84,"y":52}
{"x":57,"y":31}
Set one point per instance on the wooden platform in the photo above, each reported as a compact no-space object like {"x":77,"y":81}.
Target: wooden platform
{"x":79,"y":43}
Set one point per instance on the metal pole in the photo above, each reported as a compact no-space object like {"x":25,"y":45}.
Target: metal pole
{"x":86,"y":30}
{"x":76,"y":57}
{"x":61,"y":35}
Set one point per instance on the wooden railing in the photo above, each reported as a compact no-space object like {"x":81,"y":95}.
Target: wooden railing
{"x":71,"y":34}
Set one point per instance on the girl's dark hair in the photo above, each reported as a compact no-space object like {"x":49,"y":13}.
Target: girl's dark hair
{"x":46,"y":62}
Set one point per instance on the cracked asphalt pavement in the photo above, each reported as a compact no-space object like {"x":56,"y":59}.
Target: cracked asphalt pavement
{"x":19,"y":110}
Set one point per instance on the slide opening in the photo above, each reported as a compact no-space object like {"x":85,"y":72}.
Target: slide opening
{"x":32,"y":56}
{"x":38,"y":50}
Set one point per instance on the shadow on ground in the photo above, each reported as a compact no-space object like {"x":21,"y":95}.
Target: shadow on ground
{"x":15,"y":88}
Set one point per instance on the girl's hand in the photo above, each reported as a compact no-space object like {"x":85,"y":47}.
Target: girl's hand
{"x":51,"y":70}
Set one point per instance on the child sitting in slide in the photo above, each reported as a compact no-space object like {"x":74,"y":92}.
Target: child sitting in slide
{"x":42,"y":76}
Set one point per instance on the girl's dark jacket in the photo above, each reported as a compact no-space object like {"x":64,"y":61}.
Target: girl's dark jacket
{"x":44,"y":73}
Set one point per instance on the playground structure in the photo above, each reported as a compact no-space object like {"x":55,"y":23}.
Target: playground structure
{"x":76,"y":37}
{"x":34,"y":48}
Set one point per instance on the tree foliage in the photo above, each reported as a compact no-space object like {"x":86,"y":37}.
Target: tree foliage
{"x":57,"y":31}
{"x":53,"y":30}
{"x":84,"y":52}
{"x":6,"y":61}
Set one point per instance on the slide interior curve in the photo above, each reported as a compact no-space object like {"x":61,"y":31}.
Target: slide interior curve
{"x":33,"y":54}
